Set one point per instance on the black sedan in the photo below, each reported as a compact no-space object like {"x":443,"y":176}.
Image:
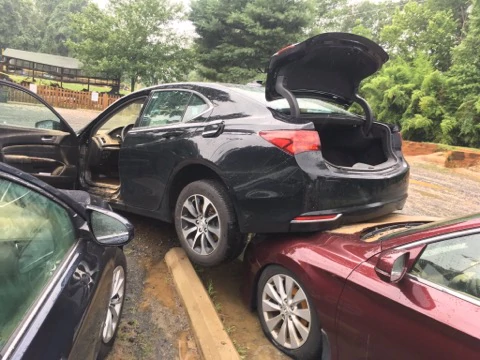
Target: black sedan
{"x":62,"y":270}
{"x":223,"y":160}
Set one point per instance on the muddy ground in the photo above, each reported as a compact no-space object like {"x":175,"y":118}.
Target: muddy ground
{"x":154,"y":324}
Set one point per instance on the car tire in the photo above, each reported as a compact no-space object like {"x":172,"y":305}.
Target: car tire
{"x":119,"y":269}
{"x":306,"y":341}
{"x":206,"y":224}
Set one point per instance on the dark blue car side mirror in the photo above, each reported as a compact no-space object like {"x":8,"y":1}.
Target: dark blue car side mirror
{"x":109,"y":228}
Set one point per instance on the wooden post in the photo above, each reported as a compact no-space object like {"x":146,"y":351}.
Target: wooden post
{"x":2,"y":64}
{"x":104,"y":101}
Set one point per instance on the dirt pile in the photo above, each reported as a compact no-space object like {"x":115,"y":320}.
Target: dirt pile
{"x":441,"y":155}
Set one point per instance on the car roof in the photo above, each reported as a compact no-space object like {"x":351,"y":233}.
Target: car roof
{"x":213,"y":85}
{"x":8,"y":171}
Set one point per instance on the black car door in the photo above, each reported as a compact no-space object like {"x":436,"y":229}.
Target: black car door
{"x":54,"y":279}
{"x":160,"y":139}
{"x":35,"y":138}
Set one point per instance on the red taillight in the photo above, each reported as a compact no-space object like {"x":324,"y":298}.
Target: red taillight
{"x":318,"y":217}
{"x":293,"y":141}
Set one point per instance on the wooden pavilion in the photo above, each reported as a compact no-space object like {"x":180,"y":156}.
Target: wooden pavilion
{"x":53,"y":67}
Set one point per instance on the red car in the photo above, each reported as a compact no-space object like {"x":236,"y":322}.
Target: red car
{"x":402,"y":288}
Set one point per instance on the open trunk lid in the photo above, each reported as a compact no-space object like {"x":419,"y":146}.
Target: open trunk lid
{"x":329,"y":66}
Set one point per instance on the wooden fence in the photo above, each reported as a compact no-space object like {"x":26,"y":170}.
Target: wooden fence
{"x":63,"y":98}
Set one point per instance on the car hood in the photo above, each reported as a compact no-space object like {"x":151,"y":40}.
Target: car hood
{"x":329,"y":66}
{"x":337,"y":253}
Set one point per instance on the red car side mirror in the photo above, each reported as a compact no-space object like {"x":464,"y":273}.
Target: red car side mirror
{"x":392,"y":266}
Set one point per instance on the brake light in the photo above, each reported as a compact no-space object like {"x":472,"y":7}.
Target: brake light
{"x":293,"y":141}
{"x":318,"y":217}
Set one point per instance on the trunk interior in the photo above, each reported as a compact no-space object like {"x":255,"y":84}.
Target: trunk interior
{"x":346,"y":145}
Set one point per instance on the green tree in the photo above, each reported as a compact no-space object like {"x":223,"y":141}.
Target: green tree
{"x":459,"y":9}
{"x":18,"y":25}
{"x":132,"y":39}
{"x":415,"y":96}
{"x":367,"y":18}
{"x":56,"y":20}
{"x":329,"y":15}
{"x":416,"y":28}
{"x":465,"y":80}
{"x":237,"y":37}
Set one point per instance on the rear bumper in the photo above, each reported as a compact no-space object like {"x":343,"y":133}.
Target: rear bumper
{"x":346,"y":215}
{"x":309,"y":188}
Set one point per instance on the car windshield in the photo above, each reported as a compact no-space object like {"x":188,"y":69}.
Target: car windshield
{"x":307,"y":106}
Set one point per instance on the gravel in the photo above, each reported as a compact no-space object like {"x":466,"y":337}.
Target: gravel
{"x":441,"y":192}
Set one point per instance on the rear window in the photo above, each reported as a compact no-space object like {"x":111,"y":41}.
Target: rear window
{"x":308,"y":106}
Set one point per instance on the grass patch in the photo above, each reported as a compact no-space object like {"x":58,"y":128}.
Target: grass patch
{"x":444,"y":147}
{"x":212,"y":293}
{"x":231,"y":329}
{"x":210,"y":290}
{"x":209,"y":286}
{"x":241,"y":349}
{"x":198,"y":269}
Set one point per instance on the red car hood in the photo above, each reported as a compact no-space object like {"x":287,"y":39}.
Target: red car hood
{"x":336,"y":253}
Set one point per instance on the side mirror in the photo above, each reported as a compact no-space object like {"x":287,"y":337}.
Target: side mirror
{"x":109,"y":228}
{"x":48,"y":124}
{"x":392,"y":266}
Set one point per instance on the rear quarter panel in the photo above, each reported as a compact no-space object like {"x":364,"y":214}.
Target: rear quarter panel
{"x":261,"y":178}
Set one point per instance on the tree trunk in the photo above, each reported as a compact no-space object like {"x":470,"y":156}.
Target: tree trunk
{"x":132,"y":84}
{"x":1,"y":57}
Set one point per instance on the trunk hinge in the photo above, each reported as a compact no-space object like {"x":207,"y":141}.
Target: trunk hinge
{"x":368,"y":113}
{"x":292,"y":101}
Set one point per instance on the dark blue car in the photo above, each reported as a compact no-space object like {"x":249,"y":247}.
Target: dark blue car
{"x":62,"y":270}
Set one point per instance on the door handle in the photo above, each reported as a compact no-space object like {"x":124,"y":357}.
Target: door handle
{"x":213,"y":129}
{"x":47,"y":138}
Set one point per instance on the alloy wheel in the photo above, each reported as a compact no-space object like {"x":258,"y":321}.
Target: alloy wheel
{"x":200,"y":224}
{"x":286,"y":311}
{"x":115,"y":305}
